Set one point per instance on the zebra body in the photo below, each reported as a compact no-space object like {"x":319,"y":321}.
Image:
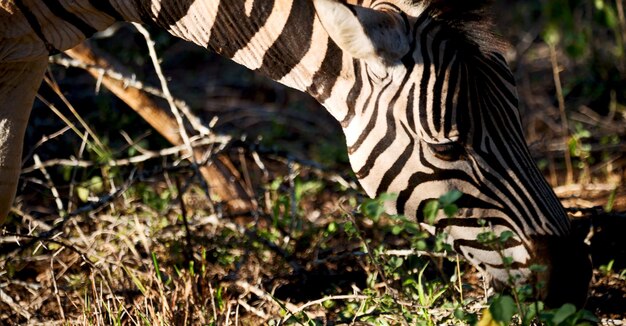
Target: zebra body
{"x":426,"y":101}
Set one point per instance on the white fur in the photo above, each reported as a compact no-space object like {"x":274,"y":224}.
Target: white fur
{"x":370,"y":35}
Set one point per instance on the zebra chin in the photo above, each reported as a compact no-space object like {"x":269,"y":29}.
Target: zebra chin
{"x":557,"y":266}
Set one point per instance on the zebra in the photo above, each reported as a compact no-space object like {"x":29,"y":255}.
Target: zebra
{"x":421,"y":89}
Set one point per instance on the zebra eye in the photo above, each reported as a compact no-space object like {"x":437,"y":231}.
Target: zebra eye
{"x":452,"y":151}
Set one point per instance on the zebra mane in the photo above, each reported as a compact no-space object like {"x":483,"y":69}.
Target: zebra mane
{"x":470,"y":21}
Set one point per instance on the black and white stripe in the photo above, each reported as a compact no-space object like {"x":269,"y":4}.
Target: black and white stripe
{"x":441,"y":116}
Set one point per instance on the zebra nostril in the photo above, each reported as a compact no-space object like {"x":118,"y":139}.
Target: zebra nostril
{"x":452,"y":151}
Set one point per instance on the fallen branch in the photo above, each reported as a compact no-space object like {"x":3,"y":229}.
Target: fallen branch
{"x":220,"y":173}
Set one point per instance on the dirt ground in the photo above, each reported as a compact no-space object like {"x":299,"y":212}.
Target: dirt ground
{"x":147,"y":246}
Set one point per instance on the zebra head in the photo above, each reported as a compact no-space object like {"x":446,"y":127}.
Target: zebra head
{"x":428,"y":105}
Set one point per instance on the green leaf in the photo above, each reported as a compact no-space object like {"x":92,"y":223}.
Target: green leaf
{"x":82,"y":193}
{"x":397,"y":229}
{"x":563,"y":313}
{"x":420,"y":245}
{"x":372,"y":208}
{"x":332,"y":227}
{"x":588,"y":315}
{"x":430,"y":211}
{"x":96,"y":184}
{"x":502,"y":308}
{"x":506,"y":235}
{"x":450,"y":210}
{"x":532,"y":312}
{"x":450,"y":197}
{"x":535,"y":268}
{"x":387,"y":197}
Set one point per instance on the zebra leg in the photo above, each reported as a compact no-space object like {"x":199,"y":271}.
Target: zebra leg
{"x":19,"y":82}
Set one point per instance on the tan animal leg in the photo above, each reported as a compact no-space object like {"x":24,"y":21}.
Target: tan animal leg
{"x":19,"y":82}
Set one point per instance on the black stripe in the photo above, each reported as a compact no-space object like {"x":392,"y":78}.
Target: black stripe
{"x":145,"y":14}
{"x":510,"y":153}
{"x":475,"y":244}
{"x":399,"y":165}
{"x":106,"y":7}
{"x":60,"y":11}
{"x":327,"y":75}
{"x":233,"y":29}
{"x":292,"y":44}
{"x":462,"y":119}
{"x":452,"y":114}
{"x":34,"y":24}
{"x":487,"y":71}
{"x":171,"y":12}
{"x":500,"y":182}
{"x":370,"y":124}
{"x":354,"y":94}
{"x":410,"y":109}
{"x":426,"y":64}
{"x":437,"y":91}
{"x":509,"y":243}
{"x":417,"y":178}
{"x":499,"y":64}
{"x":488,"y":223}
{"x":388,"y":138}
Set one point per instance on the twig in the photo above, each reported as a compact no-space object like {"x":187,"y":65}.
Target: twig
{"x":131,"y":81}
{"x":262,"y":294}
{"x":413,"y":252}
{"x":50,"y":184}
{"x":251,"y":309}
{"x":170,"y":100}
{"x":55,"y":288}
{"x":322,"y":300}
{"x":57,"y":90}
{"x":81,"y":151}
{"x":67,"y":121}
{"x":209,"y":140}
{"x":45,"y":139}
{"x":564,"y":122}
{"x":11,"y":303}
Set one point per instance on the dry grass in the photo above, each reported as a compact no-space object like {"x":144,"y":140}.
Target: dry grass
{"x":142,"y":243}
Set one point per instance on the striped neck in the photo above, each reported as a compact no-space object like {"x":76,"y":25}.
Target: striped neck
{"x":281,"y":39}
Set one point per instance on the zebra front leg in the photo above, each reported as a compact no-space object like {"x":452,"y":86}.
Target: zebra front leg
{"x":19,"y":82}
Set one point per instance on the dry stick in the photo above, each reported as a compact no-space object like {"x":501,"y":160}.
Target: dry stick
{"x":55,"y":288}
{"x":81,"y":151}
{"x":166,"y":90}
{"x":132,"y":82}
{"x":262,"y":294}
{"x":57,"y":90}
{"x":53,"y":189}
{"x":322,"y":300}
{"x":4,"y":297}
{"x":564,"y":123}
{"x":176,"y":150}
{"x":220,"y":174}
{"x":213,"y":308}
{"x":251,"y":309}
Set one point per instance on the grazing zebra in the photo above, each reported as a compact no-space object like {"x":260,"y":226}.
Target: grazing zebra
{"x":425,"y":98}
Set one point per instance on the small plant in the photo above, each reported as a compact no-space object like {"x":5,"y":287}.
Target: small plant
{"x":503,"y":308}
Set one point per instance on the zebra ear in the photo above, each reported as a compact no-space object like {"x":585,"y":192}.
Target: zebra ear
{"x":365,"y":33}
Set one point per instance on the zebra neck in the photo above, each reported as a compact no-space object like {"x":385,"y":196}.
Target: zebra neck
{"x":282,"y":39}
